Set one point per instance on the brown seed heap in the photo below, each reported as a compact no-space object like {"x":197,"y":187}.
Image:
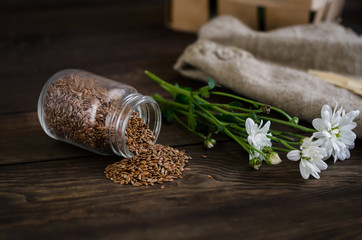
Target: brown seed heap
{"x":151,"y":163}
{"x":138,"y":134}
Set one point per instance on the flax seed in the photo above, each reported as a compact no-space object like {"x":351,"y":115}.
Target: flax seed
{"x":151,"y":163}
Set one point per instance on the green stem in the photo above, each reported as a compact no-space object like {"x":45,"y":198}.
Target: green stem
{"x":244,"y":145}
{"x":222,"y":110}
{"x":238,"y":133}
{"x":293,"y":125}
{"x":252,"y":102}
{"x":293,"y":134}
{"x":224,"y":129}
{"x":228,"y":133}
{"x":282,"y":142}
{"x":280,"y":135}
{"x":188,"y":128}
{"x":199,"y":114}
{"x":160,"y":99}
{"x":167,"y":85}
{"x":280,"y":149}
{"x":232,"y":107}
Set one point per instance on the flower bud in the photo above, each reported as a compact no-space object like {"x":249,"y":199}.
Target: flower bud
{"x":273,"y":159}
{"x":209,"y":143}
{"x":294,"y":120}
{"x":255,"y":162}
{"x":267,"y":150}
{"x":266,"y":109}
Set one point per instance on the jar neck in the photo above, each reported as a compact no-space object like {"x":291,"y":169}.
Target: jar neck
{"x":148,"y":110}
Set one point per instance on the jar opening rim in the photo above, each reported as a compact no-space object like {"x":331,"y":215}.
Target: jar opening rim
{"x":148,"y":111}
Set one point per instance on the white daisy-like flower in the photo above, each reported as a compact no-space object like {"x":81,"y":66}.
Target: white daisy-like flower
{"x":311,"y":156}
{"x":335,"y":129}
{"x":257,"y":137}
{"x":258,"y":133}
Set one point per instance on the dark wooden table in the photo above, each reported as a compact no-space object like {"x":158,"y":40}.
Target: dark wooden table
{"x":51,"y":190}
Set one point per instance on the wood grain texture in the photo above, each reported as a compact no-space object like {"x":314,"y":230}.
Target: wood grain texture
{"x":52,"y":190}
{"x":67,"y":198}
{"x":23,"y":140}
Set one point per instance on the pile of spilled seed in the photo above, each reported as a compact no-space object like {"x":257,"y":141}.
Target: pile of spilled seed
{"x":151,"y":163}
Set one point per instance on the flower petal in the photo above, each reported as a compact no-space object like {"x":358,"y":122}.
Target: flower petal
{"x":311,"y":166}
{"x":319,"y":124}
{"x":265,"y":128}
{"x":293,"y":155}
{"x":347,"y":137}
{"x":249,"y":125}
{"x":347,"y":126}
{"x":303,"y":170}
{"x":315,"y":175}
{"x":326,"y":112}
{"x":321,"y":165}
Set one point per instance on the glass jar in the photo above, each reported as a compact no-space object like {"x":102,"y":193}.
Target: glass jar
{"x":92,"y":112}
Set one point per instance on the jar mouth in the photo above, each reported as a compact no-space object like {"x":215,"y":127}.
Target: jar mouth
{"x":148,"y":110}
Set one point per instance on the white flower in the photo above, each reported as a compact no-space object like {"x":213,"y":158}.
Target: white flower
{"x":311,"y":156}
{"x":273,"y":158}
{"x":258,"y":135}
{"x":335,"y":129}
{"x":209,"y":143}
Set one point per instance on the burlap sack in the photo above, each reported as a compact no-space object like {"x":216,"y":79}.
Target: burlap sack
{"x":294,"y":91}
{"x":323,"y":46}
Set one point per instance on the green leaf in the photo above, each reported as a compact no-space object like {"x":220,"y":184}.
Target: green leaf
{"x":202,"y":127}
{"x":226,"y":118}
{"x":181,"y":98}
{"x":168,"y":114}
{"x":211,"y":83}
{"x":187,"y":89}
{"x":205,"y":92}
{"x":254,"y":117}
{"x":235,"y":104}
{"x":191,"y":120}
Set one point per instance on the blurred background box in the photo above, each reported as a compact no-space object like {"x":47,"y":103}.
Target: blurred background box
{"x":190,"y":15}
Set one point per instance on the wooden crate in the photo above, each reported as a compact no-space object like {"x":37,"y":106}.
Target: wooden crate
{"x":190,"y":15}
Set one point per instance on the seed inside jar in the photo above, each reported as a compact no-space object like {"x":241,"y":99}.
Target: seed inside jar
{"x":151,"y":163}
{"x":78,"y":109}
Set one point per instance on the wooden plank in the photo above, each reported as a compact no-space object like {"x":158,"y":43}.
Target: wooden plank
{"x":351,"y":84}
{"x":188,"y":15}
{"x":319,"y":14}
{"x":247,"y":13}
{"x":127,"y":16}
{"x":318,"y":4}
{"x":23,"y":140}
{"x":284,"y":4}
{"x":23,"y":75}
{"x":277,"y":13}
{"x":72,"y":199}
{"x":34,"y":50}
{"x":276,"y":18}
{"x":334,"y":10}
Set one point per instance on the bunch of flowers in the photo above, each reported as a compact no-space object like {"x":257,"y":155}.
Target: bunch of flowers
{"x":332,"y":135}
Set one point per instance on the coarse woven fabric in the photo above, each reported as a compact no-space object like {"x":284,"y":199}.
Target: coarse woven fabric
{"x":295,"y":91}
{"x":324,"y":46}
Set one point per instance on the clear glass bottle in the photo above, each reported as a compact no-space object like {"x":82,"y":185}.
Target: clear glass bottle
{"x":92,"y":112}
